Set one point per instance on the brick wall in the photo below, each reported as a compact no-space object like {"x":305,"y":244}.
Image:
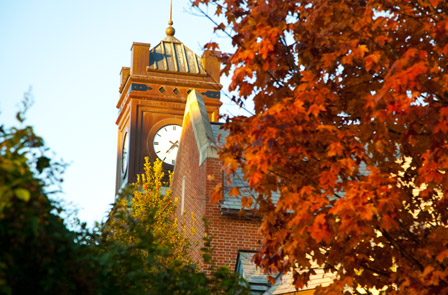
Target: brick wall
{"x":230,"y":233}
{"x":187,"y":165}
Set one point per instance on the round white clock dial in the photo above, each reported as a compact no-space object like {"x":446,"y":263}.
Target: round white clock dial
{"x":166,"y":143}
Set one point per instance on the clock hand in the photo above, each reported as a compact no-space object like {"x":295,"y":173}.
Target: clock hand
{"x":169,"y":150}
{"x":174,"y":144}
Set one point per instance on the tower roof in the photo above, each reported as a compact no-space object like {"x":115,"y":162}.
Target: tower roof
{"x":171,"y":55}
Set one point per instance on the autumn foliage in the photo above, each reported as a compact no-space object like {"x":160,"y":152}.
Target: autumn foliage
{"x":350,"y":129}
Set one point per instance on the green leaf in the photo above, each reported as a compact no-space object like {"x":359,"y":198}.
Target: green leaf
{"x":22,"y":194}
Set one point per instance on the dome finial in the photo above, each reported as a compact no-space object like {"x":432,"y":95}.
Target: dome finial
{"x":170,"y":30}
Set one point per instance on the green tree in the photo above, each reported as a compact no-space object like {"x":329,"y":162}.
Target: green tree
{"x":39,"y":255}
{"x":148,"y":204}
{"x":143,"y":220}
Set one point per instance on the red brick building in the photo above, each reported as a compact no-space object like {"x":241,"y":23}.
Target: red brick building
{"x":168,"y":109}
{"x":197,"y":171}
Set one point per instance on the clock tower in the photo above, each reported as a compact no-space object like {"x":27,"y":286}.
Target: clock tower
{"x":153,"y":93}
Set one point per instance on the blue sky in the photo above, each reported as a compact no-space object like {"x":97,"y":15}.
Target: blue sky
{"x":71,"y":54}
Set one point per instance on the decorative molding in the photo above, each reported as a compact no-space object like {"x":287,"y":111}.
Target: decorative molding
{"x":139,"y":87}
{"x":212,"y":94}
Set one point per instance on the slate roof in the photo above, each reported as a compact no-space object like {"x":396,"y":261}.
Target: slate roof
{"x":284,"y":282}
{"x":259,"y":284}
{"x":171,"y":55}
{"x":216,"y":127}
{"x":257,"y":280}
{"x":232,"y":205}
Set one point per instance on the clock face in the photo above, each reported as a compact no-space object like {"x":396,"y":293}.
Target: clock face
{"x":166,"y":143}
{"x":125,"y":154}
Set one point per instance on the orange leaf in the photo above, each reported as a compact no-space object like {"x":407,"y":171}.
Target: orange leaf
{"x":315,"y":109}
{"x":335,"y":149}
{"x":371,"y":60}
{"x":442,"y":256}
{"x":381,"y":40}
{"x":434,"y":3}
{"x":255,"y":178}
{"x":379,"y":146}
{"x":388,"y":222}
{"x":307,"y":76}
{"x":246,"y":202}
{"x":360,"y":51}
{"x":234,"y":192}
{"x":216,"y":193}
{"x":319,"y":230}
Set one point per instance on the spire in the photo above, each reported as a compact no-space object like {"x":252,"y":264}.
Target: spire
{"x":170,"y":30}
